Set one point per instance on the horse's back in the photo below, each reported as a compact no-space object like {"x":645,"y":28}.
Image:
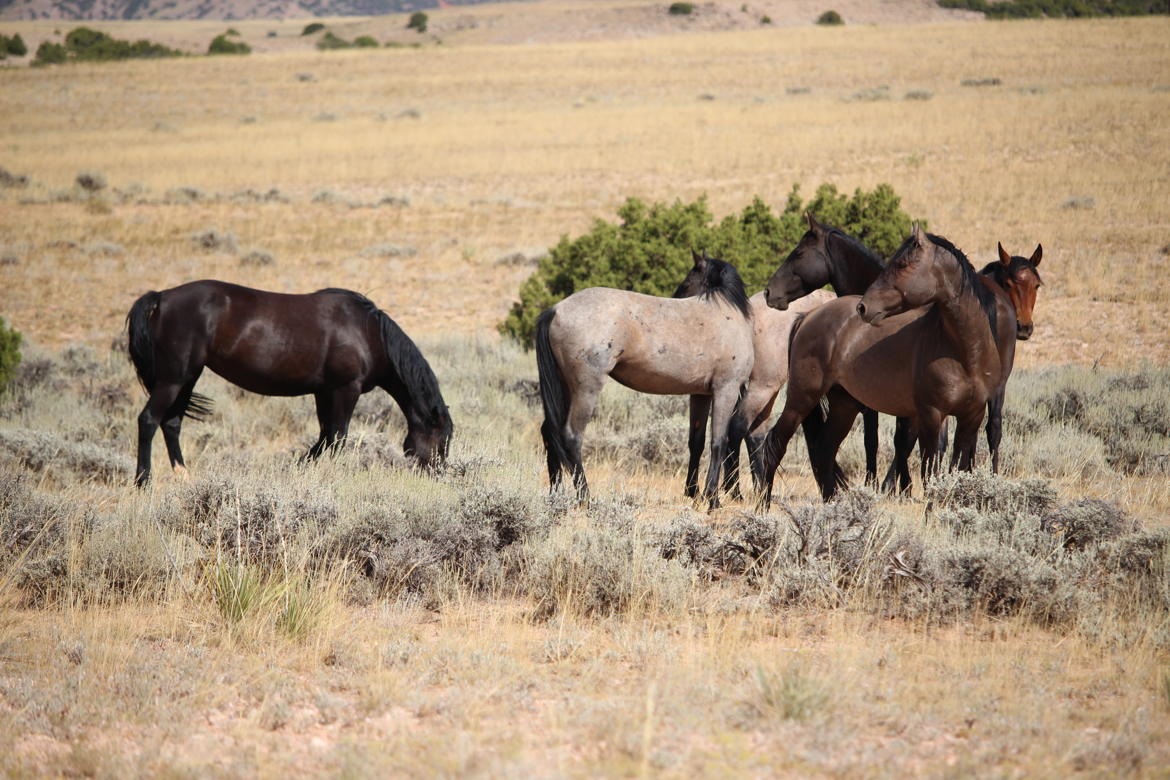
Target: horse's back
{"x":653,"y":344}
{"x":273,"y":343}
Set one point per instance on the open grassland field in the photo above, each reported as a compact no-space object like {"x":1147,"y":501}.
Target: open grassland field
{"x":356,"y":617}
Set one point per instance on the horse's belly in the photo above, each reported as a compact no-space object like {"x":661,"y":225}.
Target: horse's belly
{"x":651,"y":379}
{"x":266,"y":383}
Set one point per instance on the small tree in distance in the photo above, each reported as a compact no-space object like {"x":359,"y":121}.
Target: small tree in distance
{"x":418,"y":21}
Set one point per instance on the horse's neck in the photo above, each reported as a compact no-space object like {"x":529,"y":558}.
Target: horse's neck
{"x":850,"y":272}
{"x":965,"y":324}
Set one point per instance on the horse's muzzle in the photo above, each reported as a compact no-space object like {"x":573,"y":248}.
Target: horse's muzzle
{"x":776,"y":302}
{"x":1023,"y":332}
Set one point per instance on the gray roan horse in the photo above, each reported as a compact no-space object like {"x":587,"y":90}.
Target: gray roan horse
{"x":673,"y":346}
{"x":770,"y":331}
{"x":884,"y":352}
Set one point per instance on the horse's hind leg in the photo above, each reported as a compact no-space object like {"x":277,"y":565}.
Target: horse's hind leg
{"x":162,"y":397}
{"x":581,"y":405}
{"x":696,"y":439}
{"x":172,"y":425}
{"x":898,"y":475}
{"x":995,"y":427}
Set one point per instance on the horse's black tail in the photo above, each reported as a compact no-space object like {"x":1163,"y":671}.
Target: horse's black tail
{"x":140,"y":343}
{"x":552,"y":398}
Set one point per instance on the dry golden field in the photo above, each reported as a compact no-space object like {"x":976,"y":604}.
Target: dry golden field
{"x":411,"y":175}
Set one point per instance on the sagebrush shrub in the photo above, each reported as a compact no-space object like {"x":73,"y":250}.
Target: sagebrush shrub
{"x":10,"y":340}
{"x":830,"y":18}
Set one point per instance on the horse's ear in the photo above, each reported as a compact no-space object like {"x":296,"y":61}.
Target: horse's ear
{"x":916,"y":232}
{"x":1004,"y":258}
{"x":812,"y":223}
{"x":700,"y":260}
{"x":1037,"y":255}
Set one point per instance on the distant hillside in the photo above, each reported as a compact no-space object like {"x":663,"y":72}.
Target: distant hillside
{"x":206,"y":9}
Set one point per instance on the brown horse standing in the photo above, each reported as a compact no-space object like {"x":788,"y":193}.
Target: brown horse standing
{"x":700,"y":347}
{"x":884,"y":352}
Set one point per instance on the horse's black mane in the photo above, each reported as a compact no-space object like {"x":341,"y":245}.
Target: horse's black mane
{"x":856,"y":245}
{"x":970,"y":281}
{"x":723,"y":280}
{"x":410,"y":365}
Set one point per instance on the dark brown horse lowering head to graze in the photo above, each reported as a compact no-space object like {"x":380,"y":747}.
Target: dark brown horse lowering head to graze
{"x":921,"y":344}
{"x":699,"y":346}
{"x":333,"y":344}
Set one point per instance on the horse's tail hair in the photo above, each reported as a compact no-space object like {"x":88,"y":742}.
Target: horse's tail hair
{"x":140,"y":340}
{"x":552,"y":396}
{"x":140,"y":343}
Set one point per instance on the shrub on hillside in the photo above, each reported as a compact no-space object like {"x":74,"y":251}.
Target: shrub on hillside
{"x":12,"y":46}
{"x":49,"y":53}
{"x":365,"y":42}
{"x":417,"y":21}
{"x":10,"y":339}
{"x":222,"y":44}
{"x":681,"y":9}
{"x":1036,"y":9}
{"x":312,"y":27}
{"x":331,"y":41}
{"x":830,"y":17}
{"x":649,"y":250}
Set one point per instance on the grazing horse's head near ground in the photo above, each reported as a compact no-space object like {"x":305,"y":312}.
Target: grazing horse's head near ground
{"x":428,"y":442}
{"x":711,"y":276}
{"x":1021,"y":281}
{"x":926,"y":269}
{"x":823,"y":256}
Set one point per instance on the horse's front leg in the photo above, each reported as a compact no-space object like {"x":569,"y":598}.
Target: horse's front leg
{"x":843,"y":409}
{"x":696,"y":438}
{"x":724,"y":404}
{"x":869,"y":426}
{"x":898,"y":476}
{"x":334,"y":410}
{"x":966,"y":439}
{"x":929,"y":423}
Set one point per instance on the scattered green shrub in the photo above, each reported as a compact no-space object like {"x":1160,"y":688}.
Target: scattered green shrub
{"x":1036,"y":9}
{"x":14,"y":46}
{"x":365,"y":42}
{"x":49,"y":53}
{"x":417,"y":21}
{"x":330,"y":41}
{"x":312,"y":27}
{"x":831,"y":18}
{"x":221,"y":44}
{"x":681,"y":9}
{"x":649,"y":250}
{"x":10,"y":339}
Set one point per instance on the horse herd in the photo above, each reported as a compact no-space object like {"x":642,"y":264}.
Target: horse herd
{"x":923,"y":338}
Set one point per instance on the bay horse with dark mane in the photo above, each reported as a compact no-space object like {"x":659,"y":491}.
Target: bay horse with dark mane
{"x":921,"y":344}
{"x":699,"y":346}
{"x":334,"y":344}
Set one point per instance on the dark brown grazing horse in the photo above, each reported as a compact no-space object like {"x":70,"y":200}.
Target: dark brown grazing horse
{"x":335,"y":344}
{"x":887,"y":352}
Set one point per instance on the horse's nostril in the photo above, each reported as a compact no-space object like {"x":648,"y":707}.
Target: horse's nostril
{"x":861,"y":308}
